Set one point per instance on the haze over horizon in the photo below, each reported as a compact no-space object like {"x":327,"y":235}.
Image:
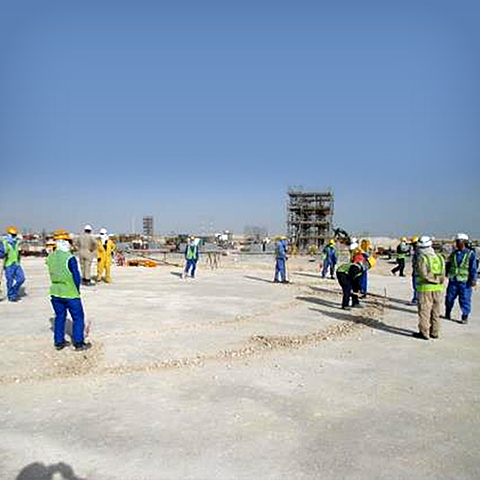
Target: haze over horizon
{"x":202,"y":114}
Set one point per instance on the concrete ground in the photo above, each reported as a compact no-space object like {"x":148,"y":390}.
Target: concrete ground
{"x":231,"y":376}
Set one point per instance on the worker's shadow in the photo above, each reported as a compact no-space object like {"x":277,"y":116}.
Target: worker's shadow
{"x":311,"y":275}
{"x":320,"y":301}
{"x":367,"y":321}
{"x":258,"y":279}
{"x":40,"y":471}
{"x":176,"y":274}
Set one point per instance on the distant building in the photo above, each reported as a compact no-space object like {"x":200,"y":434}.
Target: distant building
{"x":148,"y":226}
{"x":310,"y":217}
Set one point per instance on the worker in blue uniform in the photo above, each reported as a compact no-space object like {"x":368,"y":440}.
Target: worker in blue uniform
{"x":462,"y":276}
{"x":191,"y":257}
{"x":329,"y":259}
{"x":65,"y":292}
{"x":10,"y":252}
{"x":281,"y":257}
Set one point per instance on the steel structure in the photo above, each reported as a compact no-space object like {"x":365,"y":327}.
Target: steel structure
{"x":310,"y":217}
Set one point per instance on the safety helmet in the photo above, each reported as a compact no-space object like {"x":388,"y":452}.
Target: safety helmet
{"x":87,"y":228}
{"x":12,"y":230}
{"x":461,"y":236}
{"x":414,"y":239}
{"x":61,"y":235}
{"x":331,"y":242}
{"x":404,"y":239}
{"x":425,"y":241}
{"x":372,"y":261}
{"x":353,"y":246}
{"x":353,"y":240}
{"x":103,"y":231}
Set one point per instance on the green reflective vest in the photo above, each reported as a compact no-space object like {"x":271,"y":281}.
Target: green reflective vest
{"x":460,"y":272}
{"x":345,"y":268}
{"x":191,"y":252}
{"x":63,"y":285}
{"x":12,"y":253}
{"x":402,"y":251}
{"x":436,"y":266}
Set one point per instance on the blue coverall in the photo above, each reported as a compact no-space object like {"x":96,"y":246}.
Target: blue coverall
{"x":13,"y":273}
{"x":329,"y":260}
{"x":280,"y":261}
{"x":74,"y":306}
{"x":414,"y":275}
{"x":364,"y":277}
{"x":191,"y":265}
{"x":462,"y":289}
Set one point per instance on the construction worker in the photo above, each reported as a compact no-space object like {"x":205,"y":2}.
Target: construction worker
{"x":462,"y":276}
{"x":105,"y":249}
{"x":86,"y":244}
{"x":414,"y":244}
{"x":281,"y":257}
{"x":430,"y":278}
{"x":191,"y":257}
{"x":366,"y":249}
{"x":65,"y":292}
{"x":349,"y":276}
{"x":10,"y":252}
{"x":329,"y":259}
{"x":402,"y":251}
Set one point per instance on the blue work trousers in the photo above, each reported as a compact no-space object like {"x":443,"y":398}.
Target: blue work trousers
{"x":364,"y":283}
{"x":15,"y":279}
{"x":463,"y":292}
{"x":74,"y":306}
{"x":280,"y":270}
{"x":328,"y":264}
{"x":191,"y":266}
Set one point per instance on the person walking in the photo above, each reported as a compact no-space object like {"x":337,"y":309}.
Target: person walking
{"x":10,"y":252}
{"x":65,"y":292}
{"x":462,"y":277}
{"x":86,"y":245}
{"x":402,"y":251}
{"x":430,"y":279}
{"x":191,"y":258}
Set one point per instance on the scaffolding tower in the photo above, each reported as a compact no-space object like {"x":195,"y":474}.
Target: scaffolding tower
{"x":310,"y":218}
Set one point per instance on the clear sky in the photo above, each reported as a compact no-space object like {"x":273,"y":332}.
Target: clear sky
{"x":202,"y":113}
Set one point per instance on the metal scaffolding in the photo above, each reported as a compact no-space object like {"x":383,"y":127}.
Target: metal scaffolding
{"x":310,"y":218}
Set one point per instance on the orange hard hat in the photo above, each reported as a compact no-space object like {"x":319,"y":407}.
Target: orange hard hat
{"x":12,"y":230}
{"x":61,"y":235}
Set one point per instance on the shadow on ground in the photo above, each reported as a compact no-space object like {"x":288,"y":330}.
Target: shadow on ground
{"x":40,"y":471}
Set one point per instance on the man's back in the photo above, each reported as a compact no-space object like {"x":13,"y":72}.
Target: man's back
{"x":87,"y":245}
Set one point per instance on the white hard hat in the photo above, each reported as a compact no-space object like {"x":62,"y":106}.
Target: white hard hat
{"x":425,"y":241}
{"x":461,"y":236}
{"x":103,"y":231}
{"x":87,"y":228}
{"x":353,"y":240}
{"x":353,"y":246}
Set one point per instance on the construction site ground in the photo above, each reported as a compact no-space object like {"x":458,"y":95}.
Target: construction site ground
{"x":231,"y":376}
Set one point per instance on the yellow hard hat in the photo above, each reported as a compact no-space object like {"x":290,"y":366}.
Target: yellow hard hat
{"x":332,"y":242}
{"x":372,"y":261}
{"x":61,"y":235}
{"x":414,"y":239}
{"x":12,"y":230}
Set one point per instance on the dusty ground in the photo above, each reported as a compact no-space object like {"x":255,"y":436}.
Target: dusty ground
{"x":231,"y":376}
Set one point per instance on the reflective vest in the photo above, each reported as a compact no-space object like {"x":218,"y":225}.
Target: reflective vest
{"x":345,"y":268}
{"x":12,"y":253}
{"x":63,"y":285}
{"x":460,"y":272}
{"x":436,"y":266}
{"x":191,"y":252}
{"x":402,"y":251}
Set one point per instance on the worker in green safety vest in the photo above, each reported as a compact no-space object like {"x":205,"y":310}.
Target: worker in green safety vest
{"x":430,"y":280}
{"x":402,"y":251}
{"x":10,"y":252}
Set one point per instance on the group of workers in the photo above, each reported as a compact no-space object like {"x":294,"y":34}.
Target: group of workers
{"x":65,"y":276}
{"x":429,"y":270}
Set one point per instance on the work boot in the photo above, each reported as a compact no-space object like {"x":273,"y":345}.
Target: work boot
{"x":346,"y":307}
{"x":448,"y":315}
{"x":420,"y":335}
{"x":61,"y":346}
{"x":82,"y":346}
{"x":465,"y":318}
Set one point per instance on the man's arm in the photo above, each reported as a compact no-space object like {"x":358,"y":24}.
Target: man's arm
{"x":73,"y":267}
{"x":472,"y":267}
{"x":2,"y":250}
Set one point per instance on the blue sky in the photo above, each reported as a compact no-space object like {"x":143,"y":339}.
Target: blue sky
{"x":203,"y":113}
